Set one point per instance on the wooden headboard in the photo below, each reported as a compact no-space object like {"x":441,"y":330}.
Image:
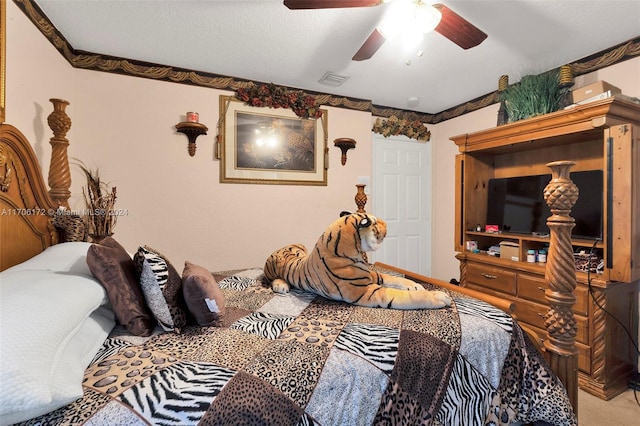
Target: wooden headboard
{"x":27,"y":207}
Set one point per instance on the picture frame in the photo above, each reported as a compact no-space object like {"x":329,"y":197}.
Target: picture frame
{"x":261,"y":145}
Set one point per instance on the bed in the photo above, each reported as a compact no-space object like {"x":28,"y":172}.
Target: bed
{"x":78,"y":349}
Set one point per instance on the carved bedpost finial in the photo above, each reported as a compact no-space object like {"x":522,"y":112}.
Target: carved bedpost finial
{"x":59,"y":172}
{"x":361,"y":198}
{"x":561,"y":195}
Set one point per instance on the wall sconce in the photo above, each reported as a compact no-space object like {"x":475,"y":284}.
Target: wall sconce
{"x":192,"y":128}
{"x":345,"y":144}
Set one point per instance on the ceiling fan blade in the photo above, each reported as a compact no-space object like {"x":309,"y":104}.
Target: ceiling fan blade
{"x":457,"y":29}
{"x":329,"y":4}
{"x":370,"y":46}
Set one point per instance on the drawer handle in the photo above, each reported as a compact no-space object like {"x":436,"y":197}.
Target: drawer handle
{"x":489,"y":277}
{"x":541,"y":315}
{"x":540,"y":288}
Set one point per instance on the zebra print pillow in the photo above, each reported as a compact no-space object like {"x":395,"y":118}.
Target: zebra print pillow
{"x":162,"y":288}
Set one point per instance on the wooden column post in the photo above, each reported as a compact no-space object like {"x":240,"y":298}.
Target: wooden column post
{"x":59,"y":172}
{"x":561,"y":195}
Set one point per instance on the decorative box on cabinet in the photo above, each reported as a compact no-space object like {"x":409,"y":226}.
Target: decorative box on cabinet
{"x":603,"y":135}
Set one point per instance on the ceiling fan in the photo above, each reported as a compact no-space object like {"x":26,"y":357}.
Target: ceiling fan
{"x":436,"y":17}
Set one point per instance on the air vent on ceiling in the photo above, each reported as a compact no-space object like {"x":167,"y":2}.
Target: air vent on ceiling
{"x":332,"y":79}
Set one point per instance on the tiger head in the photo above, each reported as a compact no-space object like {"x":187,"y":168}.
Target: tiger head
{"x":370,"y":229}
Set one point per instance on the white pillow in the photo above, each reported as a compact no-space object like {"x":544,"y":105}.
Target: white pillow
{"x":43,"y":318}
{"x":63,"y":257}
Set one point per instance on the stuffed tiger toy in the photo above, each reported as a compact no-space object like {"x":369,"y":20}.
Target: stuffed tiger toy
{"x":335,"y":269}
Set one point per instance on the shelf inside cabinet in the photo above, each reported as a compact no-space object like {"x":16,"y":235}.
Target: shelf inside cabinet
{"x":502,"y":236}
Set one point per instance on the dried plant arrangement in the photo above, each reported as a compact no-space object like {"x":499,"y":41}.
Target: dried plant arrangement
{"x":100,"y":200}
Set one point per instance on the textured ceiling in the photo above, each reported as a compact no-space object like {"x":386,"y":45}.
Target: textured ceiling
{"x":265,"y":41}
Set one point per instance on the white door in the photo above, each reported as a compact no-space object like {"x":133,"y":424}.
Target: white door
{"x":401,"y":195}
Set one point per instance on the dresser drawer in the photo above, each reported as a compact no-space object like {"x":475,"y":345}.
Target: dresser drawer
{"x":532,"y":287}
{"x":493,"y":278}
{"x":534,"y":315}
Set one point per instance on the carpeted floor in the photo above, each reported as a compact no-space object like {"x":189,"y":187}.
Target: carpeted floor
{"x":622,"y":410}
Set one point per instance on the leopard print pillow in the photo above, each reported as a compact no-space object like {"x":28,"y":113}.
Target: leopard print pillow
{"x":162,"y":288}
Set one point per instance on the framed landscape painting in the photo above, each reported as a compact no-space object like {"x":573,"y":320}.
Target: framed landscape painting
{"x":270,"y":146}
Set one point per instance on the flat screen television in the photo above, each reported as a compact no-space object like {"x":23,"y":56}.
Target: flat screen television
{"x":517,"y":205}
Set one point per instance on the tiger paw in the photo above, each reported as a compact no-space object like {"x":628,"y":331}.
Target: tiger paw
{"x":413,"y":286}
{"x":280,"y":286}
{"x":440,"y":299}
{"x":400,"y":283}
{"x":408,"y":285}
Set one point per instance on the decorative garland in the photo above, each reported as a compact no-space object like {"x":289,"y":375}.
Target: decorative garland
{"x":393,"y":126}
{"x":272,"y":96}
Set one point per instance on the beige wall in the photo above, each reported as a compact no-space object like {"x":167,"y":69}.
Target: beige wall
{"x":125,"y":127}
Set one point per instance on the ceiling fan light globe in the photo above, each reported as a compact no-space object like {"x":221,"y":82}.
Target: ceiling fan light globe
{"x":412,"y":36}
{"x":395,"y":18}
{"x":387,"y":30}
{"x":427,"y":18}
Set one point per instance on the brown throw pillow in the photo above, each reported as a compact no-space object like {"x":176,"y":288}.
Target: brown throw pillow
{"x":110,"y":263}
{"x":202,"y":294}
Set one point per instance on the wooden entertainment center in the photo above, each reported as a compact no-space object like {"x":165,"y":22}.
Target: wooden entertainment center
{"x":603,"y":135}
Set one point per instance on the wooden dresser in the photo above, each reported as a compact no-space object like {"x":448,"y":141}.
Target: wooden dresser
{"x":603,"y":135}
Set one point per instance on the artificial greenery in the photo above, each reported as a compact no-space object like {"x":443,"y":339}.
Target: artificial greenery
{"x":533,"y":95}
{"x":394,"y":126}
{"x":272,"y":96}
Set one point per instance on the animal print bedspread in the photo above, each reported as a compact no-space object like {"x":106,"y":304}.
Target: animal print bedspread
{"x":298,"y":359}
